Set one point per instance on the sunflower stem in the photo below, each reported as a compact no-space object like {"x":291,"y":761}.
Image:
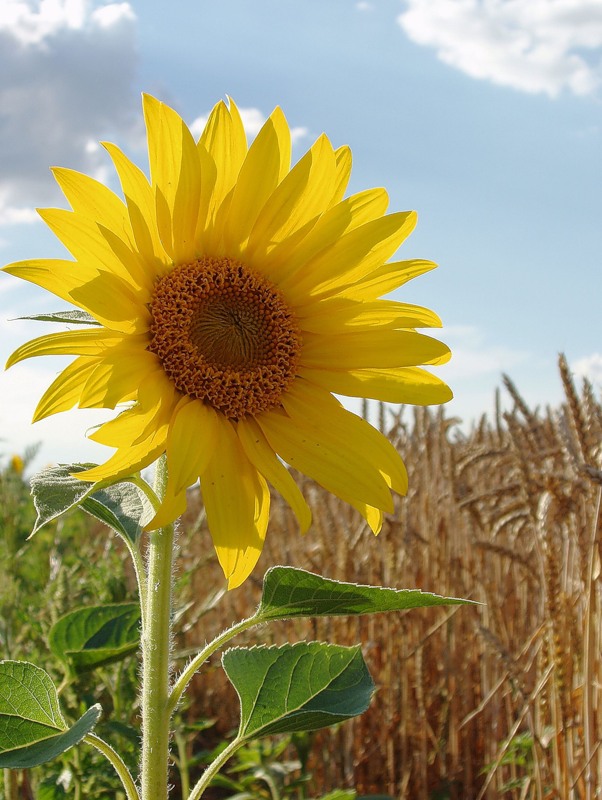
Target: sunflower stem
{"x":156,"y":642}
{"x":197,"y":662}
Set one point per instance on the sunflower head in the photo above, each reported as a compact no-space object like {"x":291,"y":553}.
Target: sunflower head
{"x":232,"y":297}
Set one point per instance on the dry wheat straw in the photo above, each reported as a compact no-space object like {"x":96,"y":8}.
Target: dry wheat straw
{"x":506,"y":515}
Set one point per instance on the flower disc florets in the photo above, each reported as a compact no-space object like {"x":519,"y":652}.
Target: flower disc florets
{"x":224,"y":335}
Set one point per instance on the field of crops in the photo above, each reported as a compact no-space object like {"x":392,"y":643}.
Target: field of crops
{"x":497,"y":699}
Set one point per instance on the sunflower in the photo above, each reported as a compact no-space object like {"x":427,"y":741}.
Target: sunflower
{"x":232,"y":295}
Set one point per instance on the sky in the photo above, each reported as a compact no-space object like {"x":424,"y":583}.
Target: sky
{"x":485,"y":116}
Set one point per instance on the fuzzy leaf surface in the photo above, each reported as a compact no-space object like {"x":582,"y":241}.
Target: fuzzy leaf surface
{"x":291,"y":592}
{"x":55,"y":490}
{"x":32,"y":728}
{"x":123,"y":506}
{"x":297,"y":687}
{"x":91,"y":637}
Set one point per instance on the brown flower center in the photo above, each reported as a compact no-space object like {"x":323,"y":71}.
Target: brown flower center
{"x":224,"y":335}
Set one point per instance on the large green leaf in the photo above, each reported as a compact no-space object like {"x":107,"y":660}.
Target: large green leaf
{"x":290,"y":592}
{"x":123,"y":506}
{"x":32,"y":728}
{"x":91,"y":637}
{"x":72,"y":317}
{"x":297,"y":687}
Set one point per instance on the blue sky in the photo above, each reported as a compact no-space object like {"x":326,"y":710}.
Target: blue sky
{"x":483,"y":115}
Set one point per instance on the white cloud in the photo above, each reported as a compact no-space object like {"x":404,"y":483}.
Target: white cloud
{"x":61,"y":435}
{"x":68,"y":68}
{"x":473,"y":357}
{"x":9,"y":214}
{"x":113,"y":14}
{"x":28,"y":24}
{"x":536,"y":46}
{"x":589,"y":367}
{"x":364,"y":6}
{"x":252,"y":120}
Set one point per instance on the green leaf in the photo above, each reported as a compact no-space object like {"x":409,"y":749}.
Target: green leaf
{"x":91,"y":637}
{"x":297,"y":687}
{"x":32,"y":728}
{"x":290,"y":592}
{"x":72,"y":317}
{"x":55,"y":491}
{"x":123,"y":506}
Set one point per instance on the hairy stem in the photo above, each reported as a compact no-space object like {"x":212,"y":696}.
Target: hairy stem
{"x":117,"y":762}
{"x":187,"y":674}
{"x":156,"y":640}
{"x":214,"y":768}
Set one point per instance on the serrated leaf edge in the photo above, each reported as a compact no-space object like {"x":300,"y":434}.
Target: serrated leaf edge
{"x":452,"y":600}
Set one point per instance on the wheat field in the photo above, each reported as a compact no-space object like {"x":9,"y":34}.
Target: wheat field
{"x":497,"y":699}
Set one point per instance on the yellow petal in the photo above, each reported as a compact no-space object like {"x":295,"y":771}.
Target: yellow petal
{"x":55,"y":275}
{"x":337,"y":315}
{"x":191,"y":444}
{"x":192,"y":441}
{"x":321,"y":410}
{"x":87,"y":243}
{"x":386,"y":279}
{"x":172,"y":506}
{"x":237,"y":502}
{"x":137,"y":453}
{"x":110,"y":300}
{"x":128,"y":460}
{"x":65,"y":390}
{"x":399,"y":385}
{"x":264,"y":167}
{"x":379,"y":349}
{"x":117,"y":377}
{"x":90,"y":342}
{"x":296,"y":203}
{"x":334,"y":463}
{"x":373,"y":516}
{"x":92,"y":199}
{"x":261,"y":455}
{"x":288,"y":256}
{"x":343,"y":173}
{"x":175,"y":170}
{"x":222,"y":144}
{"x":204,"y":226}
{"x":352,"y":256}
{"x":140,"y":200}
{"x":156,"y":401}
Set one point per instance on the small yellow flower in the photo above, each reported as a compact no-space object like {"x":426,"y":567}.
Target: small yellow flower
{"x":17,"y":464}
{"x":234,"y":296}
